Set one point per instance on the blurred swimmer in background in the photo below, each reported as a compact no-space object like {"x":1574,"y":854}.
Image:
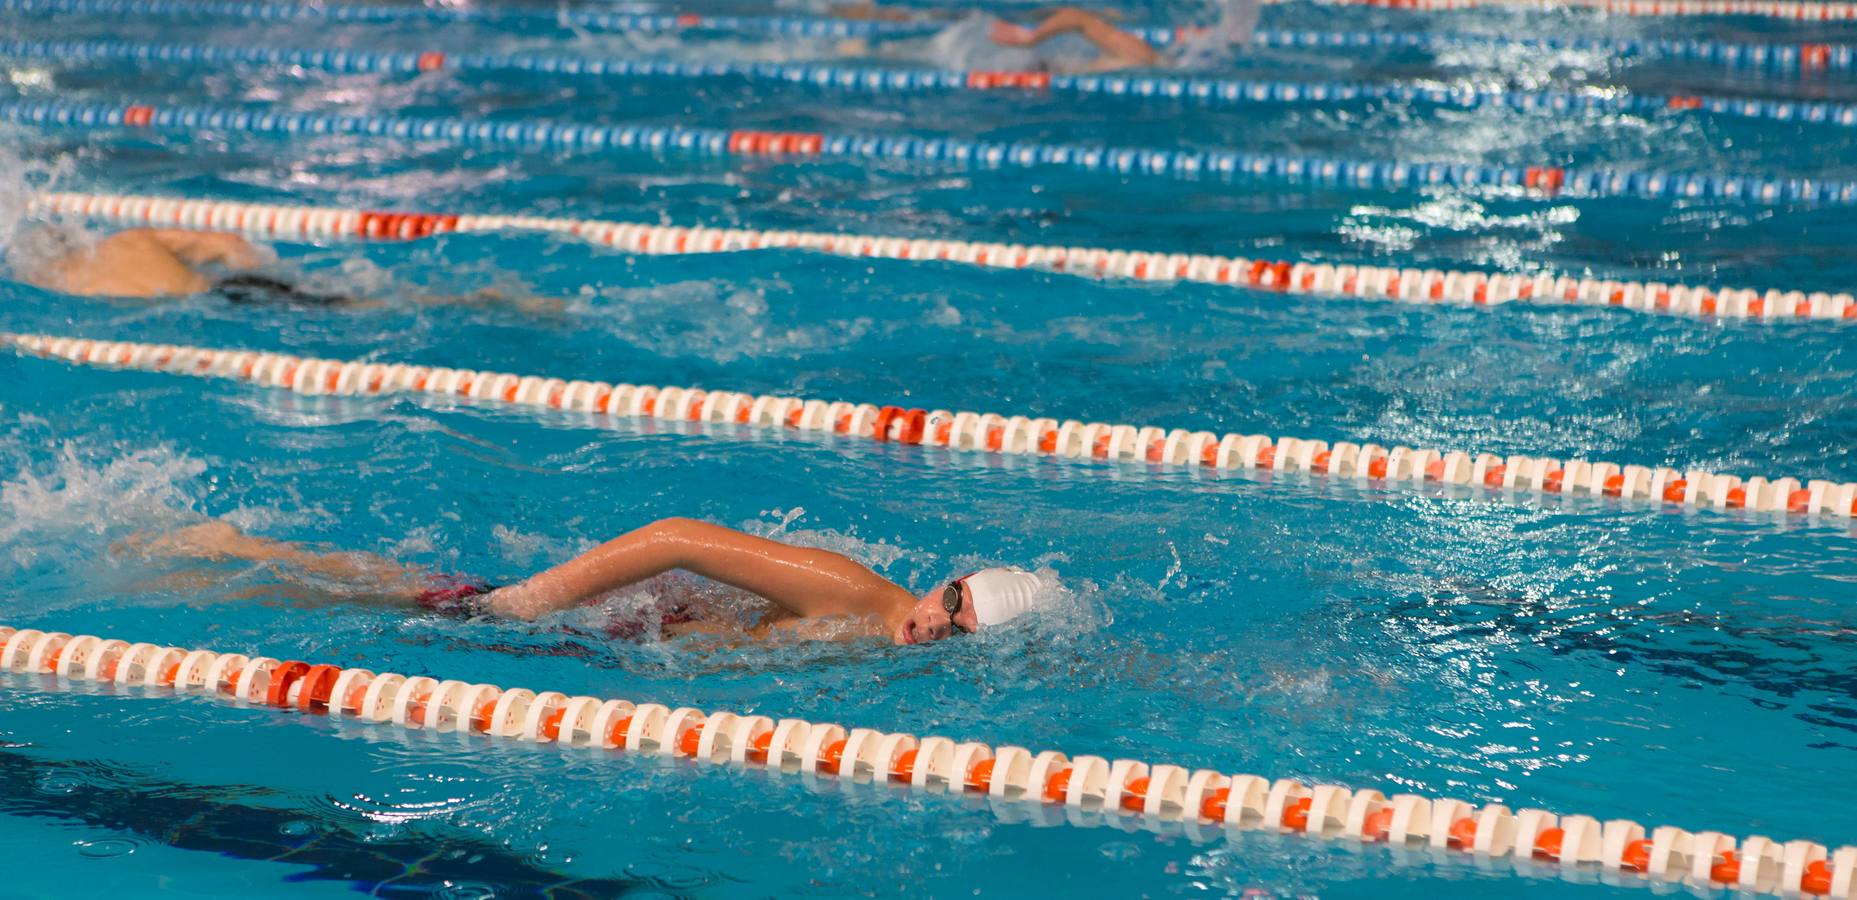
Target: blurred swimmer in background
{"x":163,"y":263}
{"x":1068,"y":40}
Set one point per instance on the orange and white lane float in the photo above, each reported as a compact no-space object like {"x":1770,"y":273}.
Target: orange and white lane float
{"x":1795,"y":10}
{"x":1411,"y":467}
{"x":1205,"y":801}
{"x":296,"y":222}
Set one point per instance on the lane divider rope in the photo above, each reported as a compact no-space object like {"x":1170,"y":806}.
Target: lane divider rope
{"x":1810,"y":56}
{"x":1205,"y":801}
{"x":296,"y":222}
{"x":1796,"y":10}
{"x":1408,"y":467}
{"x":812,"y":26}
{"x":1224,"y":91}
{"x":367,"y":13}
{"x":1802,"y":57}
{"x":1542,"y":180}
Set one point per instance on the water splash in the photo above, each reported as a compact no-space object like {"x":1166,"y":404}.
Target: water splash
{"x":879,"y":555}
{"x":25,"y":245}
{"x":61,"y":508}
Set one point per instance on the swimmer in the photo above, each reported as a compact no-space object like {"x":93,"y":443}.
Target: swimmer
{"x":810,"y":593}
{"x":144,"y":263}
{"x":1072,"y":40}
{"x":159,"y":263}
{"x":1116,"y":49}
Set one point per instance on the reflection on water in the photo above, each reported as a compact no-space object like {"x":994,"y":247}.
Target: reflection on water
{"x":211,"y":819}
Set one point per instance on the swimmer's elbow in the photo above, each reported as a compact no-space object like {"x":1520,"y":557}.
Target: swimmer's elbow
{"x":677,"y":536}
{"x":675,"y":525}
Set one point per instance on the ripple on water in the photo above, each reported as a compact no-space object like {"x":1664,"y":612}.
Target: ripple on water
{"x":442,"y":791}
{"x":1120,"y":850}
{"x":550,"y":857}
{"x":62,"y":783}
{"x":467,"y":890}
{"x":647,"y":871}
{"x":105,"y":848}
{"x":685,"y":879}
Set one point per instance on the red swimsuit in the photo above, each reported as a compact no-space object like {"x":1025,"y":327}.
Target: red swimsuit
{"x":457,"y":596}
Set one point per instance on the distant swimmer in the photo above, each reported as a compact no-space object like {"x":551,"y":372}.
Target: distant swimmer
{"x":809,"y":593}
{"x":146,"y":263}
{"x":1116,"y":49}
{"x":1072,"y":40}
{"x":156,"y":263}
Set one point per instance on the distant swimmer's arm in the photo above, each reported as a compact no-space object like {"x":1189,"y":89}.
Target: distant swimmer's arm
{"x":800,"y":580}
{"x":1119,"y":48}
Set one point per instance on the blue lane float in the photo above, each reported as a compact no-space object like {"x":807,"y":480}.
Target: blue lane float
{"x":1801,"y":57}
{"x":364,"y":13}
{"x":1218,"y":91}
{"x":1545,"y":180}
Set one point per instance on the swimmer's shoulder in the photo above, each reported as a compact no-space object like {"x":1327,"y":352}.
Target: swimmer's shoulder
{"x":126,"y":264}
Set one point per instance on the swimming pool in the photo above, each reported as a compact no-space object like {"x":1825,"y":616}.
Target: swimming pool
{"x":1602,"y":655}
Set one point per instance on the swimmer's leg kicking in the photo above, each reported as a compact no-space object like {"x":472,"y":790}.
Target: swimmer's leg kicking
{"x":810,"y":592}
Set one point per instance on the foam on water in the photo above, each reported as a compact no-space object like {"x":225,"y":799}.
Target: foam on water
{"x":57,"y":510}
{"x":27,"y":244}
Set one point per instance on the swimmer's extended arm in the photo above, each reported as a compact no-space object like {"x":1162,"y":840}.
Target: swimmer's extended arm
{"x":803,"y":581}
{"x":336,"y":574}
{"x":1118,"y":47}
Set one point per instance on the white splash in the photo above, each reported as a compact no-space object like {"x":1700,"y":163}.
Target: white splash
{"x":84,"y":495}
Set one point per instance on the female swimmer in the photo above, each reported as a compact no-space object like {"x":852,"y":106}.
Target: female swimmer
{"x":810,"y":593}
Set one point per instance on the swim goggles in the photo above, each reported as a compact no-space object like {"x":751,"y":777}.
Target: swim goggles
{"x":953,"y":598}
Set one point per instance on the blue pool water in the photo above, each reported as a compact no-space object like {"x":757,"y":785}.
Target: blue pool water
{"x":1615,"y":659}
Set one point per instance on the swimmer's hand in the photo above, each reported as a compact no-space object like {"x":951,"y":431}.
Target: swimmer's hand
{"x":210,"y":247}
{"x":212,"y":541}
{"x":485,"y":298}
{"x":1007,"y":34}
{"x":517,"y":601}
{"x":243,"y":254}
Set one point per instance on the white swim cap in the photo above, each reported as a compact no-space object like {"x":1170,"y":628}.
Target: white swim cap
{"x":1000,"y":595}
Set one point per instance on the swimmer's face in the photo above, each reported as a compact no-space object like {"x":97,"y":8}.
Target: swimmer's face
{"x":929,"y":620}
